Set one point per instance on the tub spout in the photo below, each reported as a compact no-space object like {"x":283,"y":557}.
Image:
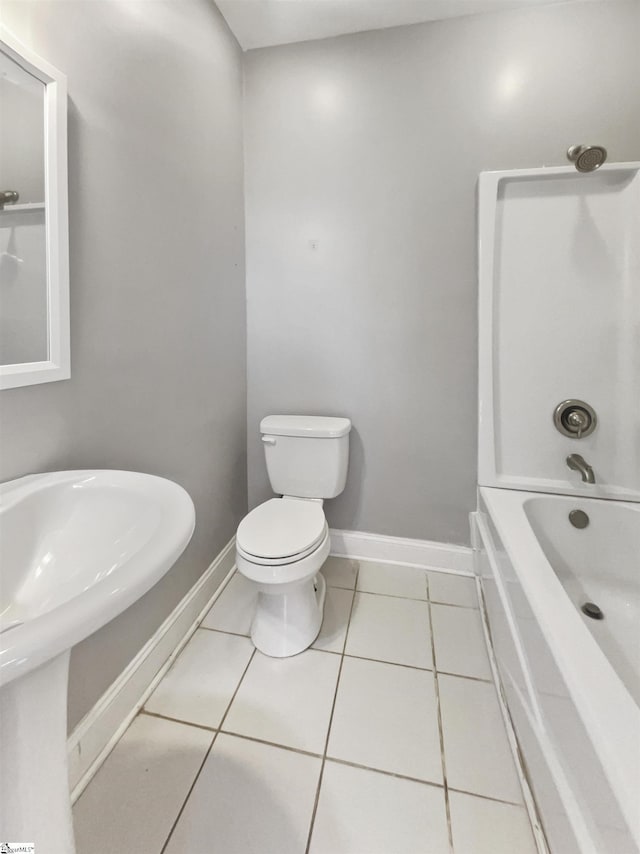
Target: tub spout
{"x":578,"y":463}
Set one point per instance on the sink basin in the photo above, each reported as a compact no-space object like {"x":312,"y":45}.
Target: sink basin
{"x":76,"y":549}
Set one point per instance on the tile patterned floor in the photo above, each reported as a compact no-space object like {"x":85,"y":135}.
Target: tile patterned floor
{"x":384,"y":738}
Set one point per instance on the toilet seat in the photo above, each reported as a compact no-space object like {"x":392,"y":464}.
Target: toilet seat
{"x":281,"y":531}
{"x":281,"y":561}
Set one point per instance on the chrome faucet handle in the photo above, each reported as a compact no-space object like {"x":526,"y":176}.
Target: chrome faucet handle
{"x":575,"y":418}
{"x":579,"y":421}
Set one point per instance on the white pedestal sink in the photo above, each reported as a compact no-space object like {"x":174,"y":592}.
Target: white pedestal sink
{"x":76,"y":549}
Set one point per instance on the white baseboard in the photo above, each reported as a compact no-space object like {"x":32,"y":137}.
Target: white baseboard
{"x":424,"y":553}
{"x":99,"y":731}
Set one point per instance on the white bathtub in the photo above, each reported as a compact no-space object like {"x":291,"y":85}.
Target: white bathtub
{"x":572,"y":684}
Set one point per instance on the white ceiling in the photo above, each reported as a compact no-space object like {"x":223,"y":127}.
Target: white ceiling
{"x":262,"y":23}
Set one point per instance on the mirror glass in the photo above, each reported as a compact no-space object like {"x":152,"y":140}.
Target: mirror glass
{"x":23,"y":233}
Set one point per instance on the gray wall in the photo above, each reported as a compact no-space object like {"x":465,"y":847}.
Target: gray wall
{"x":157,"y":280}
{"x":371,"y":145}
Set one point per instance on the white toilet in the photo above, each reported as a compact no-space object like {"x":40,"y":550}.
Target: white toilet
{"x":282,"y":544}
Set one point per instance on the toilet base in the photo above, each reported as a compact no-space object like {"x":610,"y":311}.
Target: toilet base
{"x":288,"y":617}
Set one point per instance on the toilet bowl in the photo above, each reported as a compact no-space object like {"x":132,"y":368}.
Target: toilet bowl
{"x":291,"y":589}
{"x":282,"y":544}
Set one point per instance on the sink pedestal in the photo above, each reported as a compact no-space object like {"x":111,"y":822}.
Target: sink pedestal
{"x":34,"y":782}
{"x":77,"y":548}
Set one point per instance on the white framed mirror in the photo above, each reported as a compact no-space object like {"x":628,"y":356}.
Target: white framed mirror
{"x":34,"y":225}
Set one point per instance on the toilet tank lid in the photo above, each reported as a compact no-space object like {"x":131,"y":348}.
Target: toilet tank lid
{"x":315,"y":426}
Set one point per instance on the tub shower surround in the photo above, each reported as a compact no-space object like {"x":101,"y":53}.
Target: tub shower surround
{"x":557,"y":531}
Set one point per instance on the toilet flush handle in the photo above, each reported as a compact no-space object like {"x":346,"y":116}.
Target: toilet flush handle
{"x":268,"y":440}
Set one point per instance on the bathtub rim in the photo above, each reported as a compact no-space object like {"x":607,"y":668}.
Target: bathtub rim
{"x":581,"y":662}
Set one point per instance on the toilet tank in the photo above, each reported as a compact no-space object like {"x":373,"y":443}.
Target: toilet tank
{"x":307,"y":456}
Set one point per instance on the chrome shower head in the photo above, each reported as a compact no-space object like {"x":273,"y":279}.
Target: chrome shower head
{"x":587,"y":158}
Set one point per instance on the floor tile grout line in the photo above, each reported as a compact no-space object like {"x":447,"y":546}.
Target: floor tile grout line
{"x":334,"y":759}
{"x":417,"y":599}
{"x":445,"y":786}
{"x":464,"y":676}
{"x":241,"y":680}
{"x":391,"y":595}
{"x":458,"y":791}
{"x":386,"y":661}
{"x":346,"y":634}
{"x":188,"y":795}
{"x":361,"y":658}
{"x":340,"y":586}
{"x":324,"y":760}
{"x":385,"y":773}
{"x":177,"y":720}
{"x":401,"y":596}
{"x":368,"y":657}
{"x":431,"y":783}
{"x":455,"y":605}
{"x":207,"y":754}
{"x":224,"y":632}
{"x":355,"y":590}
{"x":333,"y":651}
{"x":271,"y":743}
{"x":410,"y":598}
{"x":333,"y":708}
